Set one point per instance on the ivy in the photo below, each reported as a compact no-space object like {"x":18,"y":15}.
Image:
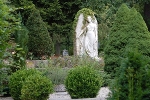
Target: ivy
{"x":86,"y":12}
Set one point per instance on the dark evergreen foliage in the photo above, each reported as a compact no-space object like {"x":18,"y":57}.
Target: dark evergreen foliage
{"x":23,"y":7}
{"x":8,"y":24}
{"x":4,"y":30}
{"x":21,"y":37}
{"x":128,"y":31}
{"x":128,"y":82}
{"x":59,"y":15}
{"x":146,"y":83}
{"x":40,"y":42}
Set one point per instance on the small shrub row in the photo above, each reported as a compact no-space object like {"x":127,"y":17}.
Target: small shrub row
{"x":80,"y":82}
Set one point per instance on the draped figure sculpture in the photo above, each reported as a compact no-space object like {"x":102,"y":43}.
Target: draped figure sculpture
{"x":87,"y":37}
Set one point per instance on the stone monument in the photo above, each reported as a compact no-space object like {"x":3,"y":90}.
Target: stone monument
{"x":86,"y":34}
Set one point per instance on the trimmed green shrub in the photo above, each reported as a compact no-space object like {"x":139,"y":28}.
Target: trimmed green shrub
{"x":36,"y":87}
{"x":40,"y":42}
{"x":129,"y":31}
{"x":128,"y":81}
{"x":83,"y":82}
{"x":17,"y":79}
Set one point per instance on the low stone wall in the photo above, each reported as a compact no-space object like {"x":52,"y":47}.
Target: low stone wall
{"x":36,"y":63}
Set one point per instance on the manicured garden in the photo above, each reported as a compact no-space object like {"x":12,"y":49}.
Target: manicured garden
{"x":124,"y":47}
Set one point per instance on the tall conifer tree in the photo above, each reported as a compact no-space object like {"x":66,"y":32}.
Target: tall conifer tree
{"x":40,"y":42}
{"x":128,"y":31}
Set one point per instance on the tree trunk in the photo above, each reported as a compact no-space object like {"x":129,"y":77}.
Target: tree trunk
{"x":57,"y":49}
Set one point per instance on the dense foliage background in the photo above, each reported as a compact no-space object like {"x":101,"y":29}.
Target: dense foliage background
{"x":59,"y":15}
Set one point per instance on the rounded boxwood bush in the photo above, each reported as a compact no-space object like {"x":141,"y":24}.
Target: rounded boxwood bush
{"x":17,"y":79}
{"x":36,"y":87}
{"x":83,"y":82}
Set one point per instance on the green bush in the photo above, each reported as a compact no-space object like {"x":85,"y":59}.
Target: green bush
{"x":17,"y":79}
{"x":129,"y":79}
{"x":129,"y":31}
{"x":36,"y":87}
{"x":40,"y":42}
{"x":83,"y":82}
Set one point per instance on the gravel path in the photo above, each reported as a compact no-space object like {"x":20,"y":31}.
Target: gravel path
{"x":102,"y":95}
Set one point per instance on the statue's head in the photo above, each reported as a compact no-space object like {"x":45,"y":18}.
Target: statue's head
{"x":89,"y":19}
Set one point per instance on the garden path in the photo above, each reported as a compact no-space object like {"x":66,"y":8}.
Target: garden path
{"x":102,"y":95}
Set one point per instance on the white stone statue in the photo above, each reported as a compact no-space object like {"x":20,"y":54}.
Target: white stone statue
{"x":87,"y":37}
